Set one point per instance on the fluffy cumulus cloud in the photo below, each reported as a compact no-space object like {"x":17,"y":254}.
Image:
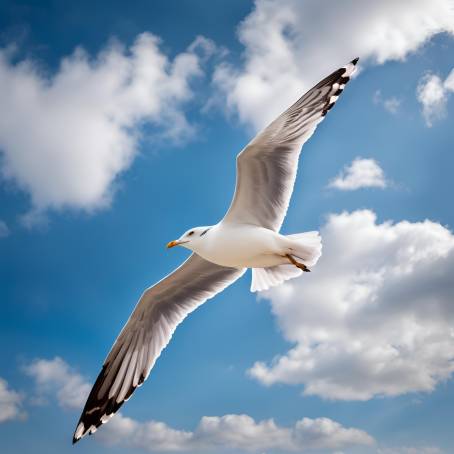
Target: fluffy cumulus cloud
{"x":361,"y":173}
{"x":57,"y":378}
{"x":237,"y":432}
{"x":433,"y":93}
{"x":54,"y":377}
{"x":290,"y":44}
{"x":10,"y":403}
{"x":375,"y":317}
{"x":65,"y":137}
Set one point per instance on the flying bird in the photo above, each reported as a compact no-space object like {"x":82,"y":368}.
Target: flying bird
{"x":247,"y":237}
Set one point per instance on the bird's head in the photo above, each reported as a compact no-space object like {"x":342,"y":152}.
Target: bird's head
{"x":191,"y":238}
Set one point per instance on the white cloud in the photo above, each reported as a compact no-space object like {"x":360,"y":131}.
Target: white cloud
{"x":375,"y":316}
{"x":10,"y":403}
{"x":289,"y":45}
{"x":239,"y":432}
{"x":66,"y":137}
{"x":54,"y":377}
{"x":391,"y":104}
{"x":361,"y":173}
{"x":433,"y":94}
{"x":4,"y":230}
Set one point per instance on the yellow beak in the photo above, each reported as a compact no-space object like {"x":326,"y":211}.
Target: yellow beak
{"x":173,"y":243}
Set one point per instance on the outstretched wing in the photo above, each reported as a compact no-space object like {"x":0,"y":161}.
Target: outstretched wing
{"x":266,"y":168}
{"x":147,"y":332}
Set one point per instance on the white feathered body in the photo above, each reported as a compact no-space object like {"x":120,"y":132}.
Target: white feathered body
{"x":249,"y":246}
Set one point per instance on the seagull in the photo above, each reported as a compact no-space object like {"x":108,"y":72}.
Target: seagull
{"x":247,"y":237}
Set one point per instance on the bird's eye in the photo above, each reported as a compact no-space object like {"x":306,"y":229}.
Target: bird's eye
{"x":191,"y":233}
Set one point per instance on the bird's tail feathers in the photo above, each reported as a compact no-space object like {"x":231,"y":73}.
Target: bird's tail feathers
{"x":265,"y":278}
{"x":306,"y":246}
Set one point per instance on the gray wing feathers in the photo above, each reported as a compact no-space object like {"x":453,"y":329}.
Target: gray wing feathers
{"x":266,"y":168}
{"x":149,"y":329}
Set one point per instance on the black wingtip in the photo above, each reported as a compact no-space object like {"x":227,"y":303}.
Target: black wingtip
{"x":79,"y":433}
{"x":354,"y":61}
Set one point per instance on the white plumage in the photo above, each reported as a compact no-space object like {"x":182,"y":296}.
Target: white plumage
{"x":247,"y":237}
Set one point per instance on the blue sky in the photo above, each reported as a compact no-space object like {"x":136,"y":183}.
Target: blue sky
{"x":109,"y":152}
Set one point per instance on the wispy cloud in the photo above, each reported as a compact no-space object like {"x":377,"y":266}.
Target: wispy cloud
{"x":10,"y":403}
{"x":286,"y":51}
{"x":65,"y":138}
{"x":391,"y":104}
{"x":361,"y":173}
{"x":411,"y":450}
{"x":433,"y":94}
{"x":4,"y":230}
{"x":374,"y":317}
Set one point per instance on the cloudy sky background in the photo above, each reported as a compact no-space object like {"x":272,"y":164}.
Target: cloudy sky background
{"x":119,"y":126}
